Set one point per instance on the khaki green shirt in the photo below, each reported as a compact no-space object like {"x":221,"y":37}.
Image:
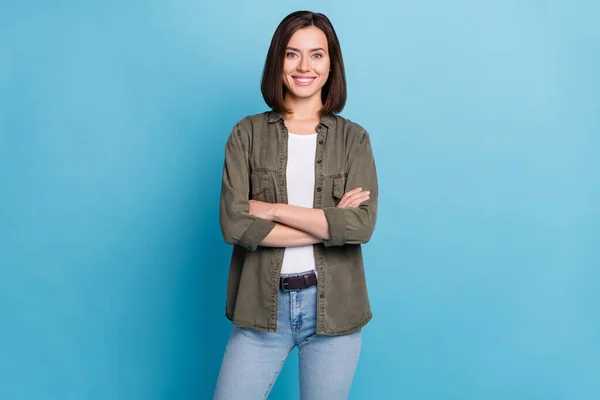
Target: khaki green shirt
{"x":255,"y":168}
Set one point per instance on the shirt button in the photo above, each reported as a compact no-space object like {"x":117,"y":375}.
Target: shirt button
{"x":320,"y":142}
{"x":322,"y":295}
{"x":318,"y":161}
{"x":318,"y":189}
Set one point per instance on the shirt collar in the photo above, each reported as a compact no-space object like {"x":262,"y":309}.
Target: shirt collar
{"x":326,"y":120}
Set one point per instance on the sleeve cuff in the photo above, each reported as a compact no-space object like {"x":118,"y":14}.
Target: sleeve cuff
{"x":255,"y":233}
{"x":336,"y":220}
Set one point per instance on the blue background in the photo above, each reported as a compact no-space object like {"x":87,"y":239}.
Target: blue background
{"x":483,"y":271}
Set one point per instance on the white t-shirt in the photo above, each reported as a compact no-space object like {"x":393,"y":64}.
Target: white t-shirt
{"x":300,"y":175}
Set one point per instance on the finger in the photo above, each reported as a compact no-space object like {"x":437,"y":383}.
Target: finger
{"x":358,"y":201}
{"x":351,"y":199}
{"x":343,"y":203}
{"x":360,"y":195}
{"x":350,"y":193}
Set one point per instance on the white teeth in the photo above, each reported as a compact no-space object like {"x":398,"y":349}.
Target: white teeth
{"x":304,"y":80}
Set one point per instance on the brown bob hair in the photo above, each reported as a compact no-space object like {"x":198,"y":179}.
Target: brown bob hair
{"x":333,"y":93}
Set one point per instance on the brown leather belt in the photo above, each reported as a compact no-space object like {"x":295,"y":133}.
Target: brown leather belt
{"x":299,"y":282}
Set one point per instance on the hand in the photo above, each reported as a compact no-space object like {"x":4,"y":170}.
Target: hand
{"x":262,"y":210}
{"x":354,"y":198}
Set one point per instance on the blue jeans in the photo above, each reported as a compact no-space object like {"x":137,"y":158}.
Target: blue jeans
{"x":253,"y":358}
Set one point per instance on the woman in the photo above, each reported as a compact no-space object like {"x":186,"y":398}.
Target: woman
{"x":296,"y":276}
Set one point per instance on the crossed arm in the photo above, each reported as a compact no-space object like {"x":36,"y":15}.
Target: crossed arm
{"x":300,"y":226}
{"x":250,"y":223}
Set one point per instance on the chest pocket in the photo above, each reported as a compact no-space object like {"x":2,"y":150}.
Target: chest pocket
{"x":259,"y":182}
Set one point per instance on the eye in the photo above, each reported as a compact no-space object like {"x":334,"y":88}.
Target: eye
{"x":290,"y":55}
{"x":318,"y":55}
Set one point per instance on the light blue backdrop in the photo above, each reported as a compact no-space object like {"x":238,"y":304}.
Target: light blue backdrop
{"x":484,"y":268}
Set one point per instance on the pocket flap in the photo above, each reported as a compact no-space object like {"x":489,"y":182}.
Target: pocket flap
{"x":338,"y":187}
{"x":259,"y":182}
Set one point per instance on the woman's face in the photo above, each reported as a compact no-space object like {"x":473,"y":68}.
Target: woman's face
{"x":306,"y":63}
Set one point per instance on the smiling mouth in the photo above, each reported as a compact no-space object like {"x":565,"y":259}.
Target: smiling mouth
{"x":304,"y":80}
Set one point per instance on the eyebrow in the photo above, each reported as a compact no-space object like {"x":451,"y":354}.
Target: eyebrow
{"x":298,"y":50}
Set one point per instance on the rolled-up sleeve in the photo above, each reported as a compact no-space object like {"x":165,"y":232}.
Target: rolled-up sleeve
{"x":355,"y":225}
{"x":237,"y":225}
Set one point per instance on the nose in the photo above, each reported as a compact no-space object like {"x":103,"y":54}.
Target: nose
{"x":303,"y":64}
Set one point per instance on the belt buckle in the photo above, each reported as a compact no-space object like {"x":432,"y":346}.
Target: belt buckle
{"x":282,"y":283}
{"x":284,"y":286}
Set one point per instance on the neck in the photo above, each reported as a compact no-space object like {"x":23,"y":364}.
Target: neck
{"x":303,"y":108}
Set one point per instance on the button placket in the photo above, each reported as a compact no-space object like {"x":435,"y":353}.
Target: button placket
{"x":322,"y":283}
{"x":282,"y":192}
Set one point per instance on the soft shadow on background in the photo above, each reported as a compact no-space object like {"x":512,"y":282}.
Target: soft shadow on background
{"x":484,"y":266}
